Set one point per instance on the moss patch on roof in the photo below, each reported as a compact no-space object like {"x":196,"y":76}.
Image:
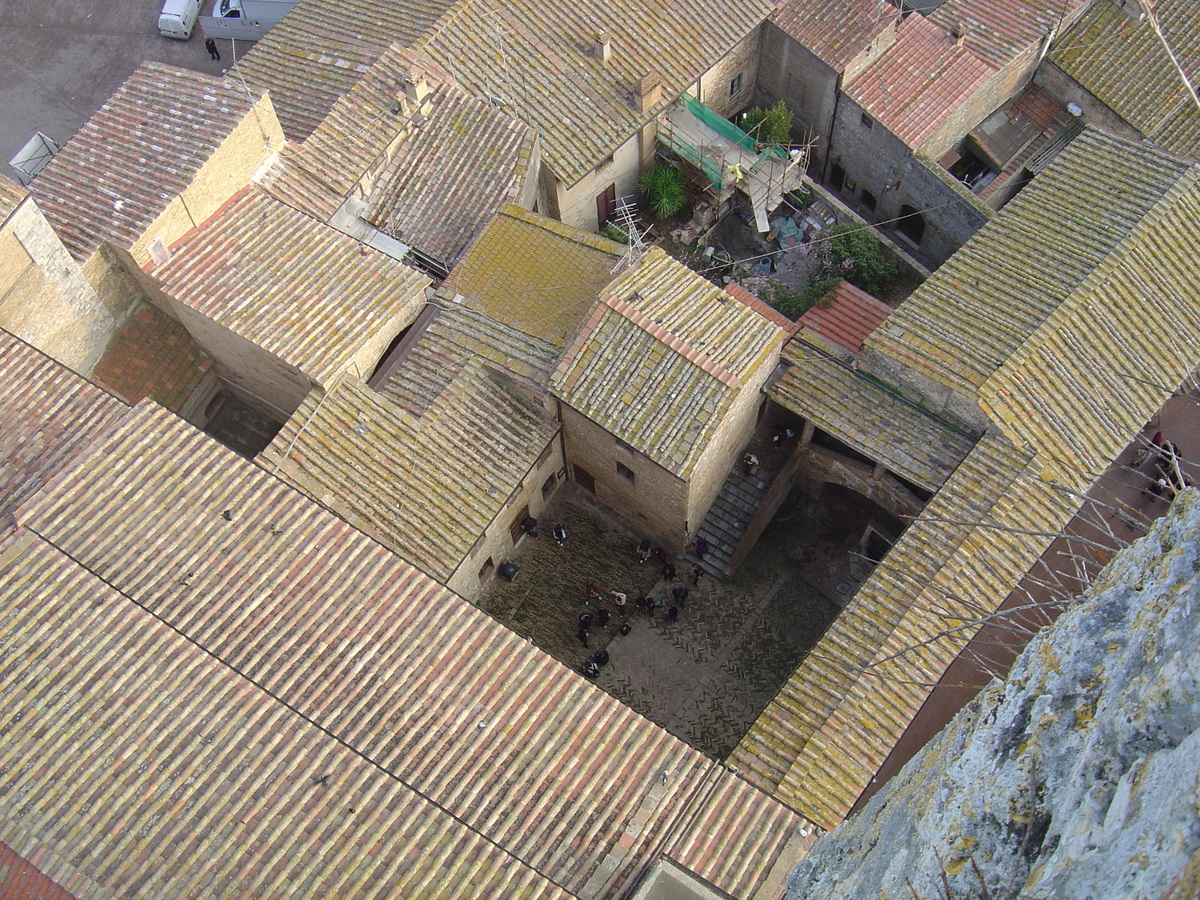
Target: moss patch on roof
{"x":534,"y":274}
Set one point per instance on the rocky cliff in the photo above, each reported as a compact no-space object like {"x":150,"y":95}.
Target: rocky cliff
{"x":1079,"y":777}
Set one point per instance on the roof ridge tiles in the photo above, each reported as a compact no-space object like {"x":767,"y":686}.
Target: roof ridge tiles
{"x":663,"y":334}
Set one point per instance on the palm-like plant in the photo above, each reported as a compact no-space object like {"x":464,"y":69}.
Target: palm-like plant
{"x":662,"y":187}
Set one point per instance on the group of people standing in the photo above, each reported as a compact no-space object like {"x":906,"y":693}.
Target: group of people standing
{"x":597,"y":614}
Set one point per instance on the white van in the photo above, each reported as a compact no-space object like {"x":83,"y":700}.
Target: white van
{"x":178,"y":18}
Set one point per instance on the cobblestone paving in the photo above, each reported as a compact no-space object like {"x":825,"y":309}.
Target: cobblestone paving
{"x":705,"y":677}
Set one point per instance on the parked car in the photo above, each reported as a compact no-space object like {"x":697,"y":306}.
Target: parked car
{"x":178,"y":18}
{"x":227,"y":9}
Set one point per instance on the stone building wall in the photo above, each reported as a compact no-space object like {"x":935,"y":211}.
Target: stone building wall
{"x":45,"y":298}
{"x":535,"y":491}
{"x":655,"y":500}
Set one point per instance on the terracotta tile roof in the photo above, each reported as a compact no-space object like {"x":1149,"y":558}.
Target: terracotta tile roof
{"x":452,"y":175}
{"x":863,"y":414}
{"x":425,"y":485}
{"x":661,"y":357}
{"x":143,"y":147}
{"x":457,"y":337}
{"x":322,"y":48}
{"x":999,"y":30}
{"x":739,"y":293}
{"x":11,"y":195}
{"x":534,"y":56}
{"x":1122,"y":63}
{"x":368,"y":654}
{"x":845,"y":316}
{"x":166,"y":771}
{"x":47,"y":415}
{"x":919,"y":82}
{"x":299,"y":289}
{"x":454,"y":160}
{"x":834,"y":31}
{"x":1042,"y":251}
{"x":20,"y":879}
{"x":535,"y":274}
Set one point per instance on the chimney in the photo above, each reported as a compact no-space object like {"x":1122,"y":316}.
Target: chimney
{"x":414,"y":91}
{"x":648,"y":91}
{"x":959,"y":33}
{"x":602,"y":48}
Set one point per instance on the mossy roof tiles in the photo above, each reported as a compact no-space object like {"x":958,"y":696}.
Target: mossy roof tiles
{"x":47,"y":415}
{"x":447,"y":163}
{"x":452,"y":175}
{"x":425,"y":483}
{"x":289,"y":284}
{"x":999,"y":30}
{"x":141,"y":149}
{"x":1122,"y":63}
{"x":259,"y":651}
{"x":834,"y":31}
{"x":962,"y":325}
{"x":534,"y":274}
{"x":1094,"y":307}
{"x":322,"y":48}
{"x":820,"y":741}
{"x":660,"y":359}
{"x":149,"y":767}
{"x":534,"y":56}
{"x":863,"y":414}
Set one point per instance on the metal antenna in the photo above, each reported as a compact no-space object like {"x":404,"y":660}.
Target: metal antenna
{"x":625,"y":218}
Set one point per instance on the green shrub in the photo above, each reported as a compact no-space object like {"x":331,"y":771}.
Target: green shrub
{"x":662,"y":188}
{"x":788,"y":300}
{"x":772,"y":125}
{"x":853,"y":253}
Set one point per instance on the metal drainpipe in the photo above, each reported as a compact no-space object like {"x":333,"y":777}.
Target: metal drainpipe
{"x":837,"y":98}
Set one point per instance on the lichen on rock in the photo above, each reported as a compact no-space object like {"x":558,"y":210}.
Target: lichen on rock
{"x":1078,"y":777}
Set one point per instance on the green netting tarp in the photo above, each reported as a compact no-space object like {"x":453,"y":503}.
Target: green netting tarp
{"x":723,"y":127}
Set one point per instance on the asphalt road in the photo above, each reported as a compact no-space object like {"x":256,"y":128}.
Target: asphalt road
{"x":61,"y":59}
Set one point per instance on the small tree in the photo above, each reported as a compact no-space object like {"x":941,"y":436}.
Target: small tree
{"x":662,"y":187}
{"x":772,"y":125}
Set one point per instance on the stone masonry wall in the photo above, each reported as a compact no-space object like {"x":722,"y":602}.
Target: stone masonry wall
{"x":656,"y":501}
{"x":497,"y":543}
{"x":1078,"y":777}
{"x":45,"y":298}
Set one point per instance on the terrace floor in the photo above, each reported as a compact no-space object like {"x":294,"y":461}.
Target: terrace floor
{"x":707,"y":676}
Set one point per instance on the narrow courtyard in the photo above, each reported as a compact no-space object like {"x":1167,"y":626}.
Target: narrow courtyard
{"x":706,"y":676}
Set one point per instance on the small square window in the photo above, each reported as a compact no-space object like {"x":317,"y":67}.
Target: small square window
{"x":548,"y":486}
{"x":625,"y":472}
{"x":868,"y":200}
{"x":486,"y":569}
{"x":735,"y":86}
{"x":625,"y":448}
{"x":867,"y":121}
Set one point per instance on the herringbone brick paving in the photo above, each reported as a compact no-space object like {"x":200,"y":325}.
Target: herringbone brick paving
{"x":705,"y":677}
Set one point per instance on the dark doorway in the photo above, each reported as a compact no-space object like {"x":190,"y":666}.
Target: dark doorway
{"x":584,"y":479}
{"x":911,"y":224}
{"x":238,"y":426}
{"x":606,"y":205}
{"x":837,"y":177}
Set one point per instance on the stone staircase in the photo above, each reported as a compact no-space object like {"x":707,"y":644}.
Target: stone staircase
{"x":729,"y":516}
